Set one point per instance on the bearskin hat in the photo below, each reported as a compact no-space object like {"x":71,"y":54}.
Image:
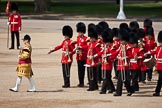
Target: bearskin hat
{"x":123,"y":26}
{"x":13,"y":7}
{"x":147,"y":23}
{"x":140,"y":33}
{"x":107,"y":35}
{"x":67,"y":31}
{"x":104,"y":24}
{"x":26,"y":37}
{"x":92,"y":32}
{"x":99,"y":29}
{"x":81,"y":27}
{"x":115,"y":32}
{"x":133,"y":38}
{"x":160,"y":37}
{"x":123,"y":35}
{"x":149,"y":31}
{"x":91,"y":25}
{"x":133,"y":25}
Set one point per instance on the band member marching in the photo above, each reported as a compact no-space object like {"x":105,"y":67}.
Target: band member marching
{"x":81,"y":52}
{"x":116,"y":44}
{"x":15,"y":23}
{"x":107,"y":60}
{"x":91,"y":62}
{"x":137,"y":55}
{"x":158,"y":56}
{"x":123,"y":56}
{"x":150,"y":44}
{"x":67,"y":54}
{"x":24,"y":66}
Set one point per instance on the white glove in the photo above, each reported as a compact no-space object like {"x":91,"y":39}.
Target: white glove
{"x":8,"y":23}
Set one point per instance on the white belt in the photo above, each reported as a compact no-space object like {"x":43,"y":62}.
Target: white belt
{"x":14,"y":22}
{"x":133,"y":61}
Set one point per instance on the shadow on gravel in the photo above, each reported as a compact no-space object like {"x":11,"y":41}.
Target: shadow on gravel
{"x":50,"y":91}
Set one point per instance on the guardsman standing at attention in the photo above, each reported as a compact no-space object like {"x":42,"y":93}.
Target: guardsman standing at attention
{"x":81,"y":52}
{"x":67,"y":54}
{"x":24,"y":66}
{"x":15,"y":23}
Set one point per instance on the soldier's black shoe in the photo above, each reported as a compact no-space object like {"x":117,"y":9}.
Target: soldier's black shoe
{"x":102,"y":92}
{"x":80,"y":85}
{"x":11,"y":48}
{"x":116,"y":94}
{"x":156,"y":94}
{"x":65,"y":86}
{"x":110,"y":91}
{"x":129,"y":94}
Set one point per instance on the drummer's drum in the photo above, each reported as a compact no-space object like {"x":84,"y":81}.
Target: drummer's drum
{"x":150,"y":62}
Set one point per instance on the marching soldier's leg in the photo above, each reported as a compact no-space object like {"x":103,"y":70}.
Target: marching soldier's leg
{"x":98,"y":76}
{"x":149,"y":77}
{"x":115,"y":69}
{"x":17,"y":86}
{"x":32,"y":85}
{"x":95,"y":78}
{"x":110,"y":83}
{"x":119,"y":85}
{"x":127,"y":84}
{"x":159,"y":85}
{"x":105,"y":83}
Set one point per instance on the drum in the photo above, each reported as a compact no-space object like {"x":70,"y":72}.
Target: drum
{"x":150,"y":62}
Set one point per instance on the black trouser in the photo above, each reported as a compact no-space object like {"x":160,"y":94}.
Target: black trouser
{"x":66,"y":74}
{"x":159,"y":83}
{"x":120,"y":82}
{"x":13,"y":34}
{"x":92,"y":73}
{"x":143,"y":76}
{"x":115,"y":68}
{"x":99,"y":78}
{"x":149,"y":73}
{"x":134,"y":80}
{"x":107,"y":82}
{"x":81,"y":71}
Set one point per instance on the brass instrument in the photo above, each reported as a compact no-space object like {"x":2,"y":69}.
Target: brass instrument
{"x":67,"y":51}
{"x":91,"y":55}
{"x":67,"y":68}
{"x":104,"y":62}
{"x":123,"y":74}
{"x":124,"y":55}
{"x":79,"y":51}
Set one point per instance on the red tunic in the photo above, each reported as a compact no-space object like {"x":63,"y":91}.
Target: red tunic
{"x":106,"y":62}
{"x":93,"y":49}
{"x":82,"y":43}
{"x":150,"y":44}
{"x":158,"y":56}
{"x":15,"y":22}
{"x":67,"y":51}
{"x":124,"y":55}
